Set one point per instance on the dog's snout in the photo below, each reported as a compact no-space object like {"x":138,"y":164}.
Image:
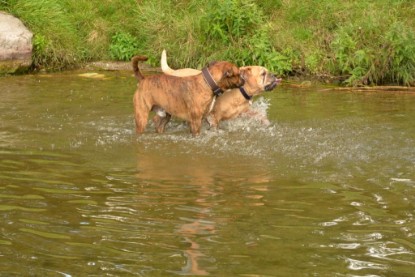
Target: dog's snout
{"x":274,"y":82}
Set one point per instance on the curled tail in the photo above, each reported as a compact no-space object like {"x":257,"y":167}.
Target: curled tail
{"x":137,"y":72}
{"x":163,"y":62}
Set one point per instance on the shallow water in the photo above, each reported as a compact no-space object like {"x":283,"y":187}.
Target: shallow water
{"x":327,"y":189}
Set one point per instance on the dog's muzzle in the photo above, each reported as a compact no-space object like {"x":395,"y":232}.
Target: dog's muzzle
{"x":273,"y":84}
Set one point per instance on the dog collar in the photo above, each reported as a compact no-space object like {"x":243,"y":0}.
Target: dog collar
{"x":209,"y":79}
{"x":243,"y":91}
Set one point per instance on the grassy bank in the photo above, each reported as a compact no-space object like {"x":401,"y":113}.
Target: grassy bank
{"x":356,"y":42}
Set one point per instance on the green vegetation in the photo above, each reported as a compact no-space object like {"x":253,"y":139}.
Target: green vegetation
{"x":123,"y":46}
{"x":357,"y":42}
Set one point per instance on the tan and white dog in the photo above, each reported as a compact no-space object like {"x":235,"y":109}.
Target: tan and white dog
{"x":237,"y":101}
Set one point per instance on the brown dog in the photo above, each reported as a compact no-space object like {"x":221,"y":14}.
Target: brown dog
{"x":233,"y":102}
{"x":184,"y":97}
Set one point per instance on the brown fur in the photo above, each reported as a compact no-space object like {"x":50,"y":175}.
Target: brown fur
{"x":184,"y":97}
{"x":231,"y":104}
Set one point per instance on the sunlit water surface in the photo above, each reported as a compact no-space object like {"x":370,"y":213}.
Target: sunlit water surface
{"x":328,"y":189}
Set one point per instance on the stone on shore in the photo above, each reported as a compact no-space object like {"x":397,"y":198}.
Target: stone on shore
{"x":15,"y":45}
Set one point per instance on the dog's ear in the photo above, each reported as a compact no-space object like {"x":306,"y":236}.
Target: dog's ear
{"x":244,"y":71}
{"x":230,"y":72}
{"x":212,"y":63}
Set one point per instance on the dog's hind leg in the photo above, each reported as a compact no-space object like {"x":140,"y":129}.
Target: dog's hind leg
{"x":160,"y":122}
{"x":141,"y":112}
{"x":140,"y":122}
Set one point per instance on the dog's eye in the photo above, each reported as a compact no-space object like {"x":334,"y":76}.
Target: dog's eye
{"x":264,"y":73}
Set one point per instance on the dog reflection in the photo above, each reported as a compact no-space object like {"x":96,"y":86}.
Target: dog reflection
{"x":208,"y":176}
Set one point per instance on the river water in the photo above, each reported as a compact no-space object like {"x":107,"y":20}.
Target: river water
{"x":328,"y":189}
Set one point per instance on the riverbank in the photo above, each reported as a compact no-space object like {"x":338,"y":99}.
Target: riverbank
{"x":365,"y":43}
{"x":300,"y":82}
{"x":117,"y":66}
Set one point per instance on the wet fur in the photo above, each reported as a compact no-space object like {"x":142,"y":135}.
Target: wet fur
{"x":184,"y":97}
{"x":232,"y":104}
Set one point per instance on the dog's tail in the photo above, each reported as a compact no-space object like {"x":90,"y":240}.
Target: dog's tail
{"x":163,"y":62}
{"x":137,"y":72}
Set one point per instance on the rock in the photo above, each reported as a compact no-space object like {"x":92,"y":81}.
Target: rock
{"x":15,"y":45}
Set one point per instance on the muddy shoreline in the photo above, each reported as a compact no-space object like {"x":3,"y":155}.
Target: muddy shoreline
{"x":117,"y":66}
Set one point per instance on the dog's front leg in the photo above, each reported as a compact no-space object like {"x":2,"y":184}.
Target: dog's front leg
{"x":195,"y":126}
{"x":212,"y":121}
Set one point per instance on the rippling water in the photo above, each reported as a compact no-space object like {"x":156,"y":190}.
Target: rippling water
{"x":327,"y":189}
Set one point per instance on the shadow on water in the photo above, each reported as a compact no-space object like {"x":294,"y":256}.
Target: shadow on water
{"x":326,"y":189}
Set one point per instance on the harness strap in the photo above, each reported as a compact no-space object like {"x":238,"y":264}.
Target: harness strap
{"x":212,"y":104}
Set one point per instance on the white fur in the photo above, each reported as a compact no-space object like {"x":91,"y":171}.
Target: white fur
{"x":163,"y":63}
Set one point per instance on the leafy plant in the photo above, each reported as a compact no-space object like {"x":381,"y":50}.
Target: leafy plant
{"x":231,"y":19}
{"x":123,"y":46}
{"x":400,"y":49}
{"x":237,"y":27}
{"x":375,"y":52}
{"x":39,"y":43}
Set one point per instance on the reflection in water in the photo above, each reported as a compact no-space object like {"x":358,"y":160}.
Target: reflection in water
{"x":327,"y":189}
{"x":195,"y":171}
{"x":200,"y":176}
{"x":198,"y":227}
{"x":361,"y":265}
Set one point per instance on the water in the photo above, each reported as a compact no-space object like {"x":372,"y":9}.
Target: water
{"x":327,"y":189}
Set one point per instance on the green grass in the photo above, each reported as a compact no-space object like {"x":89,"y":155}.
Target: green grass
{"x":358,"y":42}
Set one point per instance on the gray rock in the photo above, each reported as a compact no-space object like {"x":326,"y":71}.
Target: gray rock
{"x":15,"y":45}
